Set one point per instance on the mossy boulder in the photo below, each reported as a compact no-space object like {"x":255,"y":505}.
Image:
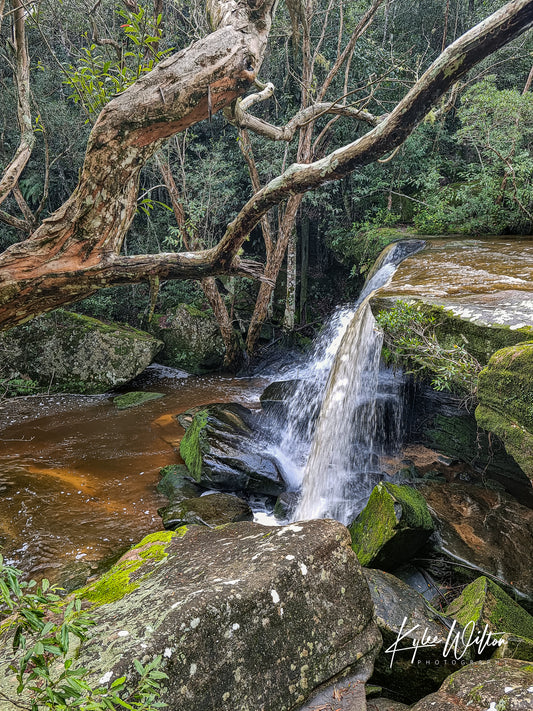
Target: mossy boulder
{"x":209,"y":510}
{"x":175,"y":483}
{"x":403,"y":614}
{"x":244,"y":617}
{"x":67,"y":352}
{"x":191,"y":338}
{"x":134,"y":398}
{"x":493,"y":685}
{"x":483,"y":531}
{"x":505,"y":407}
{"x":485,"y":603}
{"x":222,"y":450}
{"x":392,"y":527}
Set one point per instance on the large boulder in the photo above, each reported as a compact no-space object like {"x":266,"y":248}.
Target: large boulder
{"x":66,"y":352}
{"x":192,"y":339}
{"x":494,"y":685}
{"x":221,"y":449}
{"x":505,"y":407}
{"x":392,"y":527}
{"x":404,"y":616}
{"x":483,"y":531}
{"x":245,"y":617}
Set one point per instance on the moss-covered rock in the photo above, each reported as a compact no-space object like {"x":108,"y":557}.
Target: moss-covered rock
{"x":66,"y":352}
{"x":392,"y":527}
{"x":485,"y":603}
{"x":244,"y":617}
{"x":192,"y":339}
{"x":134,"y":398}
{"x":209,"y":510}
{"x":175,"y":483}
{"x":493,"y":685}
{"x":220,"y":449}
{"x":483,"y":531}
{"x":505,"y":407}
{"x":403,"y":614}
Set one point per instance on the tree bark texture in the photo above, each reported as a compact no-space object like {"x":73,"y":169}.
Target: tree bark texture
{"x":76,"y":250}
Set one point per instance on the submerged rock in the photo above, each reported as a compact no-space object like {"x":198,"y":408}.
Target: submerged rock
{"x":505,"y":395}
{"x":132,"y":399}
{"x":245,"y":618}
{"x":483,"y":603}
{"x":192,"y":339}
{"x":209,"y":510}
{"x":494,"y":685}
{"x":220,"y":450}
{"x":402,"y":613}
{"x":67,"y":352}
{"x":482,"y":531}
{"x":392,"y":527}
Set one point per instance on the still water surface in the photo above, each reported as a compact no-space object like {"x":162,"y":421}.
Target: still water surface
{"x":78,"y":476}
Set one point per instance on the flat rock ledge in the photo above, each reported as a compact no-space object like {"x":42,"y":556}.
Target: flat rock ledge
{"x":246,"y":617}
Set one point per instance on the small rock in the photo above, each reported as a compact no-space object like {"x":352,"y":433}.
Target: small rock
{"x":209,"y":510}
{"x":135,"y":398}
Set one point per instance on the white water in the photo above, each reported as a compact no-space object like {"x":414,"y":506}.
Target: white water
{"x":343,"y":415}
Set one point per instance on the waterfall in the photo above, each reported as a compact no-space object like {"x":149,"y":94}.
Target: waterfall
{"x":335,"y":430}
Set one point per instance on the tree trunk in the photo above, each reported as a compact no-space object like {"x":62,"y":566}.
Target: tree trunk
{"x":304,"y":241}
{"x":290,"y":299}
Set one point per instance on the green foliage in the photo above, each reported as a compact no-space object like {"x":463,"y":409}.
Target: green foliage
{"x":11,"y":387}
{"x":41,"y":627}
{"x":410,"y":340}
{"x":100,"y":75}
{"x":360,"y":246}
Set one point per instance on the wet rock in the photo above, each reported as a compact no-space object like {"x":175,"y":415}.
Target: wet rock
{"x":175,"y":483}
{"x":133,"y":399}
{"x":275,"y":397}
{"x":192,"y":339}
{"x":392,"y":527}
{"x":494,"y":685}
{"x":402,"y":613}
{"x":209,"y":510}
{"x":483,"y":603}
{"x":285,"y":505}
{"x":482,"y":531}
{"x":222,"y":451}
{"x":244,"y":617}
{"x":505,"y":395}
{"x":67,"y":352}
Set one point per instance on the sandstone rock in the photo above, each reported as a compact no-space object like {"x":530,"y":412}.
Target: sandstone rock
{"x":192,"y":339}
{"x":493,"y":685}
{"x":176,"y":485}
{"x":486,"y":529}
{"x":211,"y":510}
{"x":67,"y":352}
{"x":245,"y":617}
{"x":401,"y":612}
{"x":392,"y":527}
{"x":385,"y":705}
{"x":505,"y":395}
{"x":221,"y":451}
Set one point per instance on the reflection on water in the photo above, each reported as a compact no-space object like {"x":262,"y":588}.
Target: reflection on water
{"x":78,"y":476}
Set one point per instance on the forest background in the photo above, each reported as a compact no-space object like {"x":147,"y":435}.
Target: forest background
{"x":467,"y":168}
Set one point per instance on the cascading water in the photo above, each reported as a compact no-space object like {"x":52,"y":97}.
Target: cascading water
{"x":335,"y":427}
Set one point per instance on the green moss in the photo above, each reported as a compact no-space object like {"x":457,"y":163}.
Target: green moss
{"x":194,"y":444}
{"x":485,"y":603}
{"x":132,"y":399}
{"x":121,"y":579}
{"x":391,"y":509}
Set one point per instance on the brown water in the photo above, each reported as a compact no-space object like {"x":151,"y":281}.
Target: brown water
{"x":78,"y":476}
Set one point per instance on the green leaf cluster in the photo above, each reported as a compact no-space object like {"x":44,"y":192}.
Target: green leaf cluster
{"x":40,"y":627}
